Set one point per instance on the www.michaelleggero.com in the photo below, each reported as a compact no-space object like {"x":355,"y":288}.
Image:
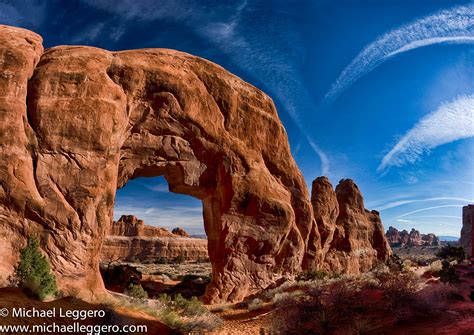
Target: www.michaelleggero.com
{"x":72,"y":322}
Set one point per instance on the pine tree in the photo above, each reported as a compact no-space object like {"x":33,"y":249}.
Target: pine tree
{"x":33,"y":272}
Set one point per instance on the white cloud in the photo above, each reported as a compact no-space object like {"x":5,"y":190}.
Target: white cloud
{"x":404,"y":221}
{"x":450,"y":122}
{"x":188,"y":217}
{"x":398,"y":203}
{"x":425,"y":209}
{"x":455,"y":25}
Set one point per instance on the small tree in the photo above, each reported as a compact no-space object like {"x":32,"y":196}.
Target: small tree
{"x":448,"y":274}
{"x":452,"y":253}
{"x":33,"y":272}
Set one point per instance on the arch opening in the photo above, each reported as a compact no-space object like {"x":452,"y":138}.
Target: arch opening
{"x":156,"y":240}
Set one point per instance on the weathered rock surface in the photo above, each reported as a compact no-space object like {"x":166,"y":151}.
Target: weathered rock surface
{"x":79,"y":122}
{"x":467,"y":233}
{"x":130,"y":225}
{"x":180,"y":232}
{"x":131,"y":239}
{"x":352,"y":237}
{"x":150,"y":249}
{"x":413,"y":238}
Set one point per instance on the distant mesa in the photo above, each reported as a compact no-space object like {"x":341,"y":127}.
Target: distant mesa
{"x":413,"y":238}
{"x":130,"y":239}
{"x":180,"y":232}
{"x":129,"y":225}
{"x":467,"y":232}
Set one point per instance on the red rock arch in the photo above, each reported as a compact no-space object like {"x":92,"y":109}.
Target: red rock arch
{"x":95,"y":119}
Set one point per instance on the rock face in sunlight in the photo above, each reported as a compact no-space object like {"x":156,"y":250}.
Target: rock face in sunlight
{"x":467,"y":233}
{"x":129,"y":239}
{"x":352,"y":237}
{"x":413,"y":238}
{"x":79,"y":122}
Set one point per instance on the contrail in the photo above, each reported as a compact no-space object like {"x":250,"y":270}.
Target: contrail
{"x":450,"y":122}
{"x":454,"y":25}
{"x":410,"y":201}
{"x":425,"y":209}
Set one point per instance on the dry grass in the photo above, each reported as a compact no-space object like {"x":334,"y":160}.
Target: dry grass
{"x":364,"y":305}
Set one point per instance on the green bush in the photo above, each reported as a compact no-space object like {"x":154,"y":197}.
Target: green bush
{"x":452,"y":253}
{"x":136,"y":291}
{"x":33,"y":272}
{"x":161,"y":260}
{"x":395,"y":263}
{"x":448,"y":273}
{"x":312,"y":275}
{"x":179,"y":260}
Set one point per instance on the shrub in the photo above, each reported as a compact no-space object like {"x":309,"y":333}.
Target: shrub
{"x":136,"y":291}
{"x":448,"y":273}
{"x":471,"y":295}
{"x":255,"y":304}
{"x":312,"y":275}
{"x":191,"y":307}
{"x":169,"y":317}
{"x":33,"y":272}
{"x":452,"y":253}
{"x":395,"y":263}
{"x":161,"y":260}
{"x":179,"y":259}
{"x":187,"y":315}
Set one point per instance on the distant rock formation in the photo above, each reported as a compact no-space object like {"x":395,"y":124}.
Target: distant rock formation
{"x":129,"y":225}
{"x":130,"y":239}
{"x":467,"y":232}
{"x":180,"y":232}
{"x":413,"y":238}
{"x":352,"y":238}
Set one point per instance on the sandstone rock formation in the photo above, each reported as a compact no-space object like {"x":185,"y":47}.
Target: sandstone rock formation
{"x":352,"y":238}
{"x":79,"y":122}
{"x":129,"y":225}
{"x":467,"y":232}
{"x":413,"y":238}
{"x":130,"y":239}
{"x":180,"y":232}
{"x":150,"y":249}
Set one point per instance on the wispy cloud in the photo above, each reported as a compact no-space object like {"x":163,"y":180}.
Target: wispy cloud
{"x":450,"y":122}
{"x":266,"y":50}
{"x":89,"y":34}
{"x":425,"y":209}
{"x":454,"y":25}
{"x":188,"y":217}
{"x":23,"y":13}
{"x":404,"y":221}
{"x":398,"y":203}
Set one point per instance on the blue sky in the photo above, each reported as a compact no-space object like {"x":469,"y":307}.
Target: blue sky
{"x":378,"y":91}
